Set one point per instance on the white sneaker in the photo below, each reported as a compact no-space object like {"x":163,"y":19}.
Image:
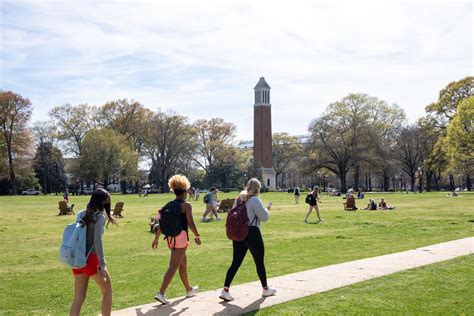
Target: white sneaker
{"x":218,"y":218}
{"x":161,"y":298}
{"x":193,"y":291}
{"x":226,"y":296}
{"x":204,"y":220}
{"x":269,"y":292}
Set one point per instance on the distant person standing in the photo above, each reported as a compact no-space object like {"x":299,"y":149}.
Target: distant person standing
{"x":312,"y":199}
{"x":66,"y":195}
{"x":297,"y":194}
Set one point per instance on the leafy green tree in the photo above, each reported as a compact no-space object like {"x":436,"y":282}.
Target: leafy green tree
{"x":442,"y":111}
{"x":285,"y":149}
{"x":211,"y":138}
{"x":169,"y":141}
{"x":105,"y":156}
{"x":349,"y":133}
{"x":49,"y":168}
{"x":460,"y":138}
{"x":15,"y":112}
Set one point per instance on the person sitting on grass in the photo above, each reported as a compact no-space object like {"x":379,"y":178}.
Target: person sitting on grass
{"x":383,"y":205}
{"x":372,"y":206}
{"x":350,"y":203}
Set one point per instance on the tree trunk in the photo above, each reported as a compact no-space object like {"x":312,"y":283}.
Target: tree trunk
{"x":413,"y":182}
{"x":342,"y":177}
{"x":370,"y":182}
{"x":356,"y":177}
{"x":386,"y":181}
{"x":468,"y":182}
{"x":451,"y":182}
{"x":11,"y":170}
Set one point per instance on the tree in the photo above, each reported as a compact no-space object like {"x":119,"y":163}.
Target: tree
{"x":211,"y":137}
{"x":49,"y":168}
{"x":409,"y":151}
{"x":128,"y":118}
{"x":15,"y":112}
{"x":460,"y":139}
{"x":105,"y":156}
{"x":442,"y":111}
{"x":350,"y":131}
{"x":72,"y":123}
{"x":285,"y":149}
{"x":168,"y":142}
{"x":44,"y":132}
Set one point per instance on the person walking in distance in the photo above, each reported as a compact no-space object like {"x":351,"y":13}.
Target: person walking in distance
{"x":297,"y":194}
{"x":177,"y":211}
{"x":211,"y":205}
{"x":94,"y":218}
{"x":254,"y":242}
{"x":312,"y":199}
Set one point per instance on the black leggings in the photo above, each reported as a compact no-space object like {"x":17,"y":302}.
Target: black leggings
{"x":254,"y":243}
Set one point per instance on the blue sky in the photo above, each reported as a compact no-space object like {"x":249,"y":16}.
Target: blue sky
{"x":202,"y":59}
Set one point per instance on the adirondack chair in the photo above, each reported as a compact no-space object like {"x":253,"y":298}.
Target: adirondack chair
{"x":225,"y":205}
{"x":118,"y":209}
{"x":349,"y":205}
{"x":64,"y":209}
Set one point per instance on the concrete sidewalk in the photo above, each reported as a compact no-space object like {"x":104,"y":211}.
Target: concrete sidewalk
{"x":297,"y":285}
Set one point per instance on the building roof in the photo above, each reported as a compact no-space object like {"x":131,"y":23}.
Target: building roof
{"x":262,"y":84}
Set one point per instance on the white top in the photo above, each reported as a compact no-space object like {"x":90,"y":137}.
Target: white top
{"x":255,"y":209}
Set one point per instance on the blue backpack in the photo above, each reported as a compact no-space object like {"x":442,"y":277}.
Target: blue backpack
{"x":73,"y":247}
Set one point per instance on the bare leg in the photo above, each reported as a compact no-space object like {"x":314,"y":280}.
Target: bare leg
{"x":207,"y":211}
{"x":105,"y":285}
{"x":175,"y":260}
{"x":309,"y":212}
{"x":316,"y":207}
{"x":183,"y":273}
{"x":81,"y":281}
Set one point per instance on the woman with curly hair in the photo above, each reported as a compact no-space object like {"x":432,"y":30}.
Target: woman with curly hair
{"x":178,"y":244}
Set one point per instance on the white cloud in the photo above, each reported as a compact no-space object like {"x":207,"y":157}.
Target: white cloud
{"x":203,"y":59}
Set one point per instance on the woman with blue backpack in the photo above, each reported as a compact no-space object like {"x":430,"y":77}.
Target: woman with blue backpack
{"x":94,"y":219}
{"x":248,"y":202}
{"x":174,"y":220}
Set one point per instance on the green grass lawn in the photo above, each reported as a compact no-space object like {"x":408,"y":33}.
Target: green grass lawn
{"x":439,"y":289}
{"x":33,"y":281}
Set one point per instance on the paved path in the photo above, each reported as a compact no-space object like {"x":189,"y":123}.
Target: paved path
{"x":305,"y":283}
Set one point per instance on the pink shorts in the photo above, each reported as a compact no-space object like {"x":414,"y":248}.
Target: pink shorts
{"x":178,"y":242}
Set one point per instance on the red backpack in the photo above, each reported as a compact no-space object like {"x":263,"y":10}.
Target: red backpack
{"x":237,"y":223}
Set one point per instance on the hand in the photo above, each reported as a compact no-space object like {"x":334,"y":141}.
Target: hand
{"x":154,"y":244}
{"x":197,"y":240}
{"x":269,"y":205}
{"x":103,"y":272}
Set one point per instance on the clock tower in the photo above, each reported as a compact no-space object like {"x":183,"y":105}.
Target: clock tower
{"x":262,"y":134}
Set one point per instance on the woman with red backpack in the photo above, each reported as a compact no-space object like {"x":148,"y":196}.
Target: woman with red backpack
{"x":176,"y":216}
{"x":256,"y":213}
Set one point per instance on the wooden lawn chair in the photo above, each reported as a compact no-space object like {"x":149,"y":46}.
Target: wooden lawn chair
{"x":118,"y":209}
{"x":349,"y":205}
{"x":64,"y":209}
{"x":225,"y":205}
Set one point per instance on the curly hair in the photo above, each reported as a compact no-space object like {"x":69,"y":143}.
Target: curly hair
{"x":179,"y":184}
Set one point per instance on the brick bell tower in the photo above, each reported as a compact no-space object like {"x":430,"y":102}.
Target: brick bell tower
{"x":262,"y":134}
